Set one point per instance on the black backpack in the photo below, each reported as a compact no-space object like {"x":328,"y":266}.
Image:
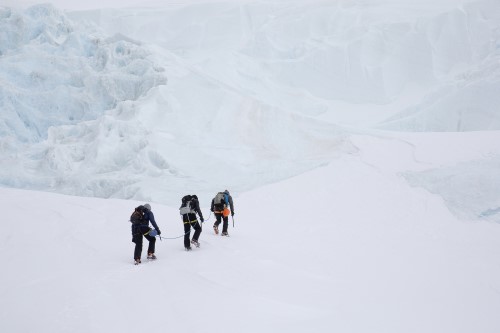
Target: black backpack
{"x":188,"y":205}
{"x":137,"y":216}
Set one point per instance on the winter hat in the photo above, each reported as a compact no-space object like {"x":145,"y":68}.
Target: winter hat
{"x":226,"y":191}
{"x":147,"y":206}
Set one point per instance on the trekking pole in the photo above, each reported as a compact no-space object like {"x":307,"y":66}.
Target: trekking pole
{"x":232,"y":218}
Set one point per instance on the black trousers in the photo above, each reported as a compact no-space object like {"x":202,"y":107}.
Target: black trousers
{"x":137,"y":239}
{"x":225,"y":220}
{"x":187,"y":232}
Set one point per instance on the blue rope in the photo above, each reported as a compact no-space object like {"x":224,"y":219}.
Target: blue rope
{"x":201,"y":223}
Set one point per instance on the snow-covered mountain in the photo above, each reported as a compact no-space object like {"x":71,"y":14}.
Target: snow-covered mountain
{"x":145,"y":103}
{"x":360,"y":140}
{"x":354,"y":62}
{"x":125,"y":133}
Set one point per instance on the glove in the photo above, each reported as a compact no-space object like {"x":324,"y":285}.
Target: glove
{"x":202,"y":220}
{"x":232,"y":213}
{"x":212,"y":210}
{"x":158,"y":232}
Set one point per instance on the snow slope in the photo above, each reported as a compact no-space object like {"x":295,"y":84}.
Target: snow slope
{"x":348,"y":247}
{"x":354,"y":62}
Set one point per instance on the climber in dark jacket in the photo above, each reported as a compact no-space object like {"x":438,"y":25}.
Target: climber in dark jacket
{"x":189,"y":208}
{"x":143,"y":229}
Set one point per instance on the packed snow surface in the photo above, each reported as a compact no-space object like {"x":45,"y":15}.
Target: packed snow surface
{"x":347,"y":247}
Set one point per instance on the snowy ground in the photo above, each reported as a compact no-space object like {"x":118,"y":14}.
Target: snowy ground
{"x":348,"y":247}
